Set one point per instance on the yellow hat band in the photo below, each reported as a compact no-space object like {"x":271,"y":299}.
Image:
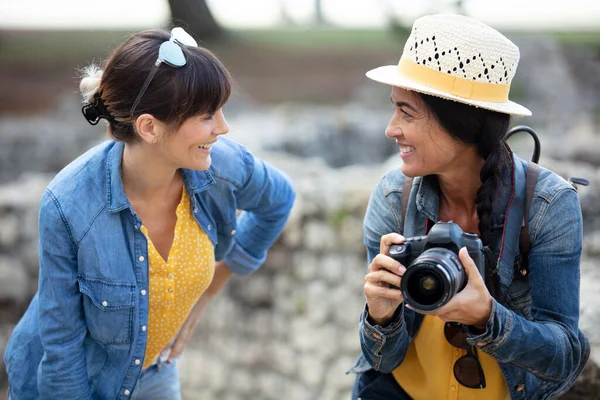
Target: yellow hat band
{"x":461,"y":87}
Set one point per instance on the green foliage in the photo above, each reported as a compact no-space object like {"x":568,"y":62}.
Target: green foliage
{"x":579,"y":38}
{"x":322,"y":38}
{"x":337,"y":217}
{"x":57,"y":47}
{"x":300,"y":305}
{"x":517,"y":92}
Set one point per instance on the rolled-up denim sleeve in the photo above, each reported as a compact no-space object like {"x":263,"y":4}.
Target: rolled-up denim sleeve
{"x":384,"y":347}
{"x":62,"y":373}
{"x":266,"y":198}
{"x":549,"y":345}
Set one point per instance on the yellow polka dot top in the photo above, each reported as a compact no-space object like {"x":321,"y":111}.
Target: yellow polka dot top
{"x":177,"y":284}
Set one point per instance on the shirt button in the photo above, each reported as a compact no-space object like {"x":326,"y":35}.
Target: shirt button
{"x":209,"y":227}
{"x":126,"y":392}
{"x":137,"y":362}
{"x":233,"y":232}
{"x":136,"y":227}
{"x":141,"y":258}
{"x":143,"y":292}
{"x":144,"y":328}
{"x":453,"y":388}
{"x":105,"y":303}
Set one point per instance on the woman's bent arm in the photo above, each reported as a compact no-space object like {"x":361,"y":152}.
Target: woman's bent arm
{"x":548,"y":345}
{"x":384,"y":347}
{"x":266,"y":197}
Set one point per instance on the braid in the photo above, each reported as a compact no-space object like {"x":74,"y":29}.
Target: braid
{"x":485,"y":130}
{"x":490,"y":182}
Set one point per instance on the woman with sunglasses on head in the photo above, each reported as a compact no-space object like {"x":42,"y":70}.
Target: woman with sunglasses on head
{"x":511,"y":332}
{"x":140,"y":232}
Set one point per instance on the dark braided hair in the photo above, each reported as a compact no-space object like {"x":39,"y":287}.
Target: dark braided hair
{"x":485,"y":129}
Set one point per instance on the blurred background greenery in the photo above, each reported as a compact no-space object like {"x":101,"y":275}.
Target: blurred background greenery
{"x":278,"y":50}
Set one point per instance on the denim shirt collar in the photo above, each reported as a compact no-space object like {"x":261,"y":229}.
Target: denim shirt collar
{"x":194,"y":181}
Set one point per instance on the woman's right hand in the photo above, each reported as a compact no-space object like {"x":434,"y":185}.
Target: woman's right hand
{"x":383,"y":272}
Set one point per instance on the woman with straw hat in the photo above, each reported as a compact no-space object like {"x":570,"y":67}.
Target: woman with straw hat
{"x":512,"y":331}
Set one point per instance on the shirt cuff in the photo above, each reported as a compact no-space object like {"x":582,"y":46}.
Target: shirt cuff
{"x":497,"y":329}
{"x":377,"y":332}
{"x":240,"y":262}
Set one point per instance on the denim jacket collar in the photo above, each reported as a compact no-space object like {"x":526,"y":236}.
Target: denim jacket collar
{"x":427,"y":199}
{"x":194,"y":181}
{"x":507,"y":208}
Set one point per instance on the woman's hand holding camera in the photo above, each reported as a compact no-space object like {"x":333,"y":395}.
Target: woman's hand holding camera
{"x":384,"y":271}
{"x":471,"y":306}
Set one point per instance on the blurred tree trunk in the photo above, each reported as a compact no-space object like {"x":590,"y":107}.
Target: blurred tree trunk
{"x":319,"y":19}
{"x":197,"y":17}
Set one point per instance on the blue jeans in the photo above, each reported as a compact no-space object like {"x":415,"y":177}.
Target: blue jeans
{"x":158,"y":382}
{"x":374,"y":385}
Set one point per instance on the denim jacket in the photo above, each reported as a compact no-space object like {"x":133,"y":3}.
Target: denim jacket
{"x":84,"y":333}
{"x":533,"y":329}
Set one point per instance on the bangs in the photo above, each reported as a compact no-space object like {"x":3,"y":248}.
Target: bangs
{"x":201,"y":87}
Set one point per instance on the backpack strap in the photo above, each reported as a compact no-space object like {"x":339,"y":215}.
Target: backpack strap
{"x":533,"y":171}
{"x":406,"y":188}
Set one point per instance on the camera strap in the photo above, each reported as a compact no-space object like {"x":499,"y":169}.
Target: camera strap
{"x":533,"y":171}
{"x":492,"y":278}
{"x":406,"y":188}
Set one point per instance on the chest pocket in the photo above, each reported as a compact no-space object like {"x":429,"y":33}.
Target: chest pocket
{"x":108,"y":309}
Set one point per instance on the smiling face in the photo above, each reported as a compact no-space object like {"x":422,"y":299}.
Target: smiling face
{"x":426,"y":148}
{"x":191,"y":144}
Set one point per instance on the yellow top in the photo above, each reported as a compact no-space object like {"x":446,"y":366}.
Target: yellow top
{"x":176,"y":285}
{"x":427,"y":371}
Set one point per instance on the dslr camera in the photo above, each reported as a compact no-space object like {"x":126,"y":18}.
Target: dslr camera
{"x":434,"y":274}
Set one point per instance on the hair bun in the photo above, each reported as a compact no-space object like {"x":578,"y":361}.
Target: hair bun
{"x":90,"y":82}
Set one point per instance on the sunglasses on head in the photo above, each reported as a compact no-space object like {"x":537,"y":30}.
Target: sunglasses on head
{"x":467,"y":369}
{"x":170,"y":53}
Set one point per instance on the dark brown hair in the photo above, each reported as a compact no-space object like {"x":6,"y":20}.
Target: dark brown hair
{"x":486,"y":130}
{"x":201,"y":86}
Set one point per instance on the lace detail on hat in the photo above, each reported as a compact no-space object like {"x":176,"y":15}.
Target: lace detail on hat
{"x":436,"y":46}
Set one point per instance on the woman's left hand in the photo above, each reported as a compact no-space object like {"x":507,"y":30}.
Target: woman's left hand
{"x":222,"y":274}
{"x":472,"y":305}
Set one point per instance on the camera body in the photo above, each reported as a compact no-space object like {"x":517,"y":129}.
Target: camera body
{"x":434,"y":274}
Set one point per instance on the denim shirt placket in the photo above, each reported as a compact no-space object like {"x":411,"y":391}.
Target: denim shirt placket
{"x":141,"y":269}
{"x":193,"y":187}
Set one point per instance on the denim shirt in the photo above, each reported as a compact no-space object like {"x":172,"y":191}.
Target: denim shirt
{"x":84,"y":333}
{"x":533,"y":330}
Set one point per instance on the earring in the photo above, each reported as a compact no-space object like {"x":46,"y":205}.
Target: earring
{"x":153,"y":141}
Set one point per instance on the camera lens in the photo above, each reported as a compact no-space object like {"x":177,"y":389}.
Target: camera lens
{"x":426,"y":287}
{"x":432,"y":279}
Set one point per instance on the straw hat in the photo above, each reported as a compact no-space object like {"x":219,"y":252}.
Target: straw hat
{"x":456,"y":58}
